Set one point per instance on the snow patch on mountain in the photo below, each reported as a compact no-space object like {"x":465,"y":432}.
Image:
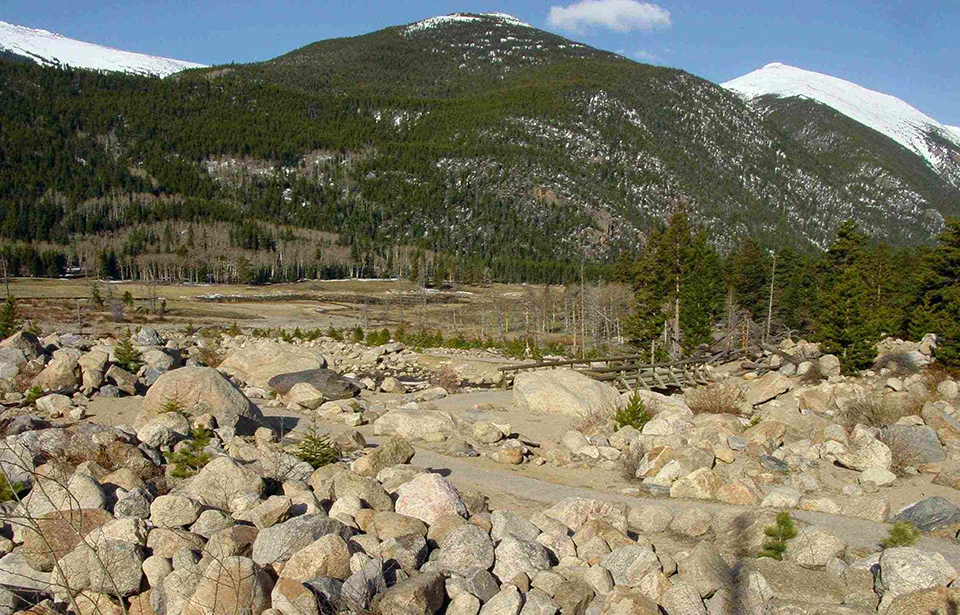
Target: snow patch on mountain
{"x":52,"y":49}
{"x":500,"y":19}
{"x":884,"y":113}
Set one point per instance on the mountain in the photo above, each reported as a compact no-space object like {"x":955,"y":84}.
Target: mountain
{"x":471,"y":134}
{"x":51,"y":49}
{"x":777,"y":84}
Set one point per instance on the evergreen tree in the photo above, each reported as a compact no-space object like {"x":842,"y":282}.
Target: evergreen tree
{"x":10,"y":321}
{"x":751,"y":278}
{"x":846,"y":328}
{"x":940,"y":310}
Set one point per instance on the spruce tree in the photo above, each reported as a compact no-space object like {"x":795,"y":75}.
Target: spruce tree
{"x":10,"y":321}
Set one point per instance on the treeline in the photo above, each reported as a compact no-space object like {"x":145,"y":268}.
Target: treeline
{"x":847,"y":298}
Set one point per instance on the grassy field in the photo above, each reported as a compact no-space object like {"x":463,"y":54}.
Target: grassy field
{"x":52,"y":305}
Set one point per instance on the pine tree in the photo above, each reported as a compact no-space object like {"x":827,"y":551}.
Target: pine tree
{"x":751,"y":278}
{"x":939,"y":311}
{"x":10,"y":321}
{"x":846,"y":328}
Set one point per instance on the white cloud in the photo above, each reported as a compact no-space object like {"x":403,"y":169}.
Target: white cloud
{"x":646,"y":56}
{"x":617,"y":15}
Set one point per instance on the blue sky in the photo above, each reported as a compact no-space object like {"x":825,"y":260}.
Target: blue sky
{"x":907,"y":49}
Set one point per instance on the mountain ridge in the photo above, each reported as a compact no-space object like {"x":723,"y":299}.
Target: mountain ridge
{"x":52,"y":49}
{"x":882,"y":112}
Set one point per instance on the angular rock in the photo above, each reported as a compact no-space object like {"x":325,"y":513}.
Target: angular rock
{"x":429,"y":497}
{"x":174,"y":511}
{"x":328,"y":556}
{"x":419,"y":595}
{"x":277,"y":544}
{"x":914,"y":444}
{"x":908,"y":569}
{"x":466,"y":547}
{"x":61,"y":532}
{"x":513,"y":556}
{"x":233,"y":585}
{"x":931,"y":514}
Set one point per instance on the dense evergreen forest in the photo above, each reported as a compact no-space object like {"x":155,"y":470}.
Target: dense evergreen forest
{"x":847,"y":298}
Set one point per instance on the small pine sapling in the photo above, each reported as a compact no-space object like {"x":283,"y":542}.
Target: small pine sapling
{"x":128,"y":357}
{"x":173,"y":406}
{"x":902,"y":534}
{"x":778,"y":536}
{"x":33,"y":394}
{"x":317,"y":449}
{"x":191,"y":458}
{"x":357,"y":334}
{"x":634,"y":414}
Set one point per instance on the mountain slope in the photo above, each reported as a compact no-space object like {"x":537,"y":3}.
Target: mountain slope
{"x":471,"y":134}
{"x":51,"y":49}
{"x":939,"y":145}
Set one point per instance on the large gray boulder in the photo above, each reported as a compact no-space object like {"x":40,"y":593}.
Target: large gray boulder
{"x":514,"y":556}
{"x":931,"y":514}
{"x":278,"y":544}
{"x":913,"y":444}
{"x":414,"y":424}
{"x":429,"y":497}
{"x":332,"y":385}
{"x":257,"y":362}
{"x":62,"y":374}
{"x":466,"y":547}
{"x":26,"y":343}
{"x":221,"y":481}
{"x":201,"y":390}
{"x":233,"y":585}
{"x":908,"y":569}
{"x":563,"y":391}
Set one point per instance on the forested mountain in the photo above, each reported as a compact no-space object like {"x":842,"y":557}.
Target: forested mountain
{"x":475,"y":136}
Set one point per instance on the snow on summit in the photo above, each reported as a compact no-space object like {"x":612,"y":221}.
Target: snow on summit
{"x":51,"y":49}
{"x":884,"y":113}
{"x":500,"y":19}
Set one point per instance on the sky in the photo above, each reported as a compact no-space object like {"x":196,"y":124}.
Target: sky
{"x":907,"y":49}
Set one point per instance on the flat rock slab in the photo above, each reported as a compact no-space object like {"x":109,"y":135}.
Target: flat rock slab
{"x":330,"y":383}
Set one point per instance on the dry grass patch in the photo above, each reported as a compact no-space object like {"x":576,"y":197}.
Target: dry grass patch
{"x":876,"y":410}
{"x":714,"y":399}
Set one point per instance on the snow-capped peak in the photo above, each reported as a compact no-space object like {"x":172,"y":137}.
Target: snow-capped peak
{"x":500,"y":19}
{"x":52,"y":49}
{"x":884,"y":113}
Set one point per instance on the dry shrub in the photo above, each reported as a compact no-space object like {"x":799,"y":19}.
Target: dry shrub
{"x":903,"y":364}
{"x":597,"y":419}
{"x":714,"y":399}
{"x":813,"y":375}
{"x":449,"y":380}
{"x":874,"y":410}
{"x":211,"y":356}
{"x":630,"y":462}
{"x":903,"y":456}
